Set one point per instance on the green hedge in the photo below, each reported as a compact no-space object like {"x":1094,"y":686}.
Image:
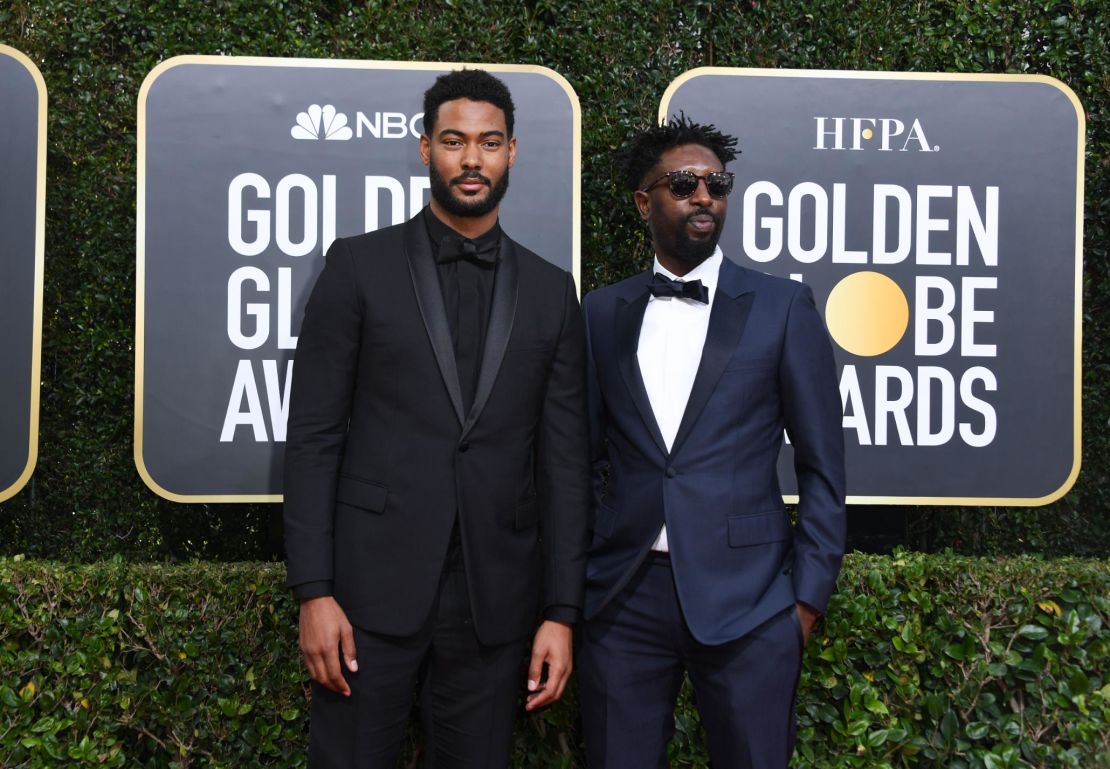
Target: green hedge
{"x":86,"y":502}
{"x":922,"y":661}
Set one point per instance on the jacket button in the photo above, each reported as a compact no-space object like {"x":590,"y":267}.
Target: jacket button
{"x":671,"y":472}
{"x":464,"y":446}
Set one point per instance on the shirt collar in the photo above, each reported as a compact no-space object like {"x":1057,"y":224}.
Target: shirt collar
{"x":707,"y":272}
{"x":438,"y":230}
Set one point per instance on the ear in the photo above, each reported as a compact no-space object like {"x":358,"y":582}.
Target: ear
{"x":425,"y":149}
{"x":643,"y":203}
{"x":512,"y":151}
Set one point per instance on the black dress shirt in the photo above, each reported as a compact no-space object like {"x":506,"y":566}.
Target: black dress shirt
{"x":467,"y":285}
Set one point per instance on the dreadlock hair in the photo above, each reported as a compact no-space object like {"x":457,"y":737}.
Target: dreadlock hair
{"x":473,"y":84}
{"x":643,"y":150}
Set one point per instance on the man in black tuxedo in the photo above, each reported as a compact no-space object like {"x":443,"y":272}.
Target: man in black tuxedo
{"x":695,"y":370}
{"x":436,"y":471}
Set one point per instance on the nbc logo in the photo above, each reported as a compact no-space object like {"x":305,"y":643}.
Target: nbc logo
{"x":321,"y":123}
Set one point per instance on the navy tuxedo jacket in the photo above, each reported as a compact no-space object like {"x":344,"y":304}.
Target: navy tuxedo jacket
{"x":767,"y":365}
{"x":381,"y":459}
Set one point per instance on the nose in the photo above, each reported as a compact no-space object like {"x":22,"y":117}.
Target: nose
{"x":471,"y":157}
{"x":701,"y":197}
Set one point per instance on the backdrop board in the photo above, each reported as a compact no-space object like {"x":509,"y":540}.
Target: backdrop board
{"x":938,"y":219}
{"x":22,"y":225}
{"x":248,"y":169}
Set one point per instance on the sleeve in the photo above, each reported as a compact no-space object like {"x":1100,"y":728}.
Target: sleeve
{"x":813,"y":416}
{"x":325,"y":367}
{"x":562,"y":467}
{"x":599,"y":456}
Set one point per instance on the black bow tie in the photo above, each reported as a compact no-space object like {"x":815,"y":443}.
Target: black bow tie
{"x":453,"y":248}
{"x":661,"y":285}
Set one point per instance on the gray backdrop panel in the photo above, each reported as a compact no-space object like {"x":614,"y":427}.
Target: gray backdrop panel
{"x":19,"y":150}
{"x":1020,"y":136}
{"x":206,"y":123}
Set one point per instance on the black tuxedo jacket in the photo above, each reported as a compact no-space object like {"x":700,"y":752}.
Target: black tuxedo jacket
{"x":380,"y":458}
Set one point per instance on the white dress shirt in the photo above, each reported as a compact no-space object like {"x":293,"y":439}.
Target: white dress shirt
{"x":671,"y":339}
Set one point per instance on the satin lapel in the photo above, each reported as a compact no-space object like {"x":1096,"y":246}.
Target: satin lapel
{"x":429,"y":298}
{"x":502,"y":313}
{"x":731,"y":306}
{"x":630,"y":316}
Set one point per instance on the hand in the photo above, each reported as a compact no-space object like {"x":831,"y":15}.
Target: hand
{"x":807,"y":615}
{"x":324,"y":631}
{"x":550,"y":648}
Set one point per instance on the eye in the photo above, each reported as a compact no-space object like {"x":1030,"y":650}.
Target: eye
{"x":491,"y":144}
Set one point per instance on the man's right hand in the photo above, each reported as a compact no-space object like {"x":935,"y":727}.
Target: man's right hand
{"x":325,"y":631}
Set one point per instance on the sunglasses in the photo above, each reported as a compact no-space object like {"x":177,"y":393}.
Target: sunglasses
{"x":683,"y":184}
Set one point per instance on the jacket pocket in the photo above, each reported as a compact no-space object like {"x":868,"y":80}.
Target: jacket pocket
{"x":527,"y":515}
{"x":361,"y":494}
{"x":758,"y":529}
{"x":605,"y":520}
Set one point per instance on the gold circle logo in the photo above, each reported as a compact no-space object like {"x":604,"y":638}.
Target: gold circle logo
{"x":867,"y":313}
{"x":868,"y":133}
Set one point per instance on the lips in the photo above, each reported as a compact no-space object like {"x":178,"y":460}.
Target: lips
{"x":471,"y":184}
{"x":702,"y":222}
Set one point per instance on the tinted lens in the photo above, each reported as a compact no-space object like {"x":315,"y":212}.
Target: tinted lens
{"x":683,"y":183}
{"x":719,"y":184}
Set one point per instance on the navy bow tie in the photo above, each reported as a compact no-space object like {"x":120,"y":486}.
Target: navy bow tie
{"x":661,"y":285}
{"x":453,"y":248}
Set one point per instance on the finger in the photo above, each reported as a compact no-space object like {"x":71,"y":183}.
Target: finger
{"x":347,"y":644}
{"x":334,"y":673}
{"x":541,"y":699}
{"x":535,"y":668}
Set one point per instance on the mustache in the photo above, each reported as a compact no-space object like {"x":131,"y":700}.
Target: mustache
{"x":470,"y":176}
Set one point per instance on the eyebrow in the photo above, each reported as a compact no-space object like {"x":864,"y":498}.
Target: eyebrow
{"x":483,"y":135}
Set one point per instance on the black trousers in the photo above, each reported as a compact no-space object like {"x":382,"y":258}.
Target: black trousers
{"x":630,"y":669}
{"x":469,"y":693}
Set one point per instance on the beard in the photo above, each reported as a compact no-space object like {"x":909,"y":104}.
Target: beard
{"x":694,"y":252}
{"x":461,"y":206}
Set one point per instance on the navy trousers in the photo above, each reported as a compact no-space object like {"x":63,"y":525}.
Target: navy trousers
{"x":631,"y":664}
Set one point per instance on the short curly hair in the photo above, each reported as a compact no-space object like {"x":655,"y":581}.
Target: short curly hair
{"x":642,"y":152}
{"x":473,"y":84}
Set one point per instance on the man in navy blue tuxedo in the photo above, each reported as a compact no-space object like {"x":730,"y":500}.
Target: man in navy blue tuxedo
{"x":696,"y":369}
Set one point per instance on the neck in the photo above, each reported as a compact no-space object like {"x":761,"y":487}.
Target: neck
{"x":467,"y":226}
{"x":677,"y":266}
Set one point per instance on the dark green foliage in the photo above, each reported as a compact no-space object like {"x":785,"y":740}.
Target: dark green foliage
{"x":922,"y":661}
{"x":86,"y":501}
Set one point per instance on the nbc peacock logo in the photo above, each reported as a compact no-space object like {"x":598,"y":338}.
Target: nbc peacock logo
{"x":321,"y":123}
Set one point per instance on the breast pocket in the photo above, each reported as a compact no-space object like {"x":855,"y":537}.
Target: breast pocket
{"x":741,"y":362}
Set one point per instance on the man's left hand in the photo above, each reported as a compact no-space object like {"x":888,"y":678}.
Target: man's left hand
{"x":807,"y":615}
{"x":551,"y":648}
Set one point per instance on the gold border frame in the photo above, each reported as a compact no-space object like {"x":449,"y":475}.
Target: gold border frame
{"x":260,"y":61}
{"x":40,"y":250}
{"x":1081,"y":123}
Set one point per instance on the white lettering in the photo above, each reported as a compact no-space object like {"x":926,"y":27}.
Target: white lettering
{"x":990,"y":422}
{"x":259,"y":217}
{"x":244,"y":387}
{"x":235,"y":310}
{"x":772,"y":224}
{"x":820,"y":222}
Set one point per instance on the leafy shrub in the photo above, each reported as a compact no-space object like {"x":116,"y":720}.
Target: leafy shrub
{"x":922,"y":661}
